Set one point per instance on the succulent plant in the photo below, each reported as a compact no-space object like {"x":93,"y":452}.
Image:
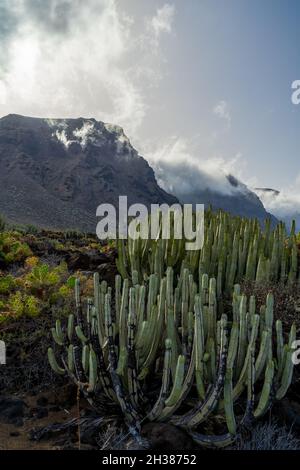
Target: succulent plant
{"x":159,"y":347}
{"x":234,"y":249}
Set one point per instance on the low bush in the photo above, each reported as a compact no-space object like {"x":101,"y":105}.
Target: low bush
{"x":7,"y":284}
{"x":12,"y":249}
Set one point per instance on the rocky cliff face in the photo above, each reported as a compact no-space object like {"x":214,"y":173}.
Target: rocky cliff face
{"x":55,"y":172}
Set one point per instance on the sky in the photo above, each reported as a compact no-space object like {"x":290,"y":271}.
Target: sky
{"x":201,"y":83}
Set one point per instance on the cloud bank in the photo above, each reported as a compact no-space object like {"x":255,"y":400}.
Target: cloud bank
{"x":70,"y":58}
{"x":284,"y":204}
{"x":181,"y":171}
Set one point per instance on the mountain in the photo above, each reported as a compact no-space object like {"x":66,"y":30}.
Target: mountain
{"x":55,"y":172}
{"x":241,"y":201}
{"x":192,"y":184}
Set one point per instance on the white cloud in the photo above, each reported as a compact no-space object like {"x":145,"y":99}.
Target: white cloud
{"x":2,"y":94}
{"x":179,"y":171}
{"x":163,"y":20}
{"x":84,"y":133}
{"x":221,"y":110}
{"x":62,"y":137}
{"x":87,"y":62}
{"x":283,"y":203}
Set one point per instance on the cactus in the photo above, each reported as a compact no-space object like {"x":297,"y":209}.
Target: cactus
{"x":234,"y":249}
{"x":168,"y":330}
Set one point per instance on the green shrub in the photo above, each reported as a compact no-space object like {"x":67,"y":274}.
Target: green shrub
{"x":13,"y":250}
{"x":21,"y":304}
{"x":71,"y":282}
{"x":31,"y":229}
{"x":32,"y":306}
{"x":43,"y":275}
{"x":16,"y":305}
{"x":7,"y":283}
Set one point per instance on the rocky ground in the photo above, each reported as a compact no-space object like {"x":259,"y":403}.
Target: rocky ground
{"x":53,"y":421}
{"x":20,"y":415}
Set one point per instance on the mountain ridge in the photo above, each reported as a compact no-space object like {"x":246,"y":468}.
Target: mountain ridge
{"x":55,"y":172}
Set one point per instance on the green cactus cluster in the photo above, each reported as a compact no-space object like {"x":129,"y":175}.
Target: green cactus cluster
{"x":159,"y":348}
{"x":234,"y":249}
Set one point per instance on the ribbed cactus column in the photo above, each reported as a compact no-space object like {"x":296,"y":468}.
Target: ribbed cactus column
{"x":233,"y":249}
{"x":157,"y":345}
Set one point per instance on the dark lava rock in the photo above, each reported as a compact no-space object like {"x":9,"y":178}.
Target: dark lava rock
{"x":39,"y":412}
{"x":54,"y":409}
{"x":108,"y":272}
{"x":86,"y":261}
{"x":18,"y":422}
{"x":64,"y":396}
{"x":42,"y":401}
{"x":166,"y":437}
{"x":12,"y":410}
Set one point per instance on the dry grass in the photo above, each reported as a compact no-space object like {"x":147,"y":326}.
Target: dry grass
{"x":270,"y":436}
